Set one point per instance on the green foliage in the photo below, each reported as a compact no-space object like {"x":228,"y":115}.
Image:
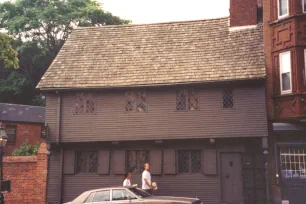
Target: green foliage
{"x":40,"y":28}
{"x":26,"y":149}
{"x":7,"y":53}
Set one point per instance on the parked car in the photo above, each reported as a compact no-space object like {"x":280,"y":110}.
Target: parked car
{"x":128,"y":195}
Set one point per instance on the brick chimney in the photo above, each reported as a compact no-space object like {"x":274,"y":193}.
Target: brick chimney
{"x":244,"y":12}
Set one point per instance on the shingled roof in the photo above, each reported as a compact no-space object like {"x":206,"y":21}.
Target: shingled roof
{"x":157,"y":54}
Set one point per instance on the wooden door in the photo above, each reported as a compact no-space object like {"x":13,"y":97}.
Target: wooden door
{"x":231,"y":178}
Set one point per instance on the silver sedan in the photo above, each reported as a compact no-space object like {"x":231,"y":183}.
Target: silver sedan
{"x":128,"y":195}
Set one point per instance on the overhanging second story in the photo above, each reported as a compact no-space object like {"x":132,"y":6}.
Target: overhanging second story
{"x":196,"y":79}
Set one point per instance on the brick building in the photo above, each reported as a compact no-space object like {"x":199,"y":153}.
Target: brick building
{"x":285,"y":53}
{"x":21,"y":123}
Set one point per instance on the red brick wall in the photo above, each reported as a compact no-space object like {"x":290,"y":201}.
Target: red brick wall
{"x":243,"y":12}
{"x":28,"y":175}
{"x":29,"y":131}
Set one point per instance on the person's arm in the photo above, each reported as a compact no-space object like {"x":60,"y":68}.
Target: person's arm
{"x":147,"y":182}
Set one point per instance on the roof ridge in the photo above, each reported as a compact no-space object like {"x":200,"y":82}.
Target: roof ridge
{"x":148,"y":24}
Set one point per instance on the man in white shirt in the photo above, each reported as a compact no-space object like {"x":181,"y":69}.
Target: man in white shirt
{"x":146,"y":179}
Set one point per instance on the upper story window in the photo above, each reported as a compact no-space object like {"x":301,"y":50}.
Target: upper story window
{"x":136,"y":160}
{"x":189,"y":161}
{"x":304,"y":5}
{"x":135,"y":101}
{"x":304,"y":71}
{"x":228,"y":99}
{"x":187,"y":99}
{"x":11,"y":133}
{"x":285,"y":72}
{"x":86,"y":162}
{"x":283,"y":8}
{"x":85,"y":104}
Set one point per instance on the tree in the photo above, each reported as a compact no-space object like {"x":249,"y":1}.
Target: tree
{"x":41,"y":27}
{"x":7,"y":53}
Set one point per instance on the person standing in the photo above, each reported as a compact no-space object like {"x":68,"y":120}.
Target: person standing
{"x":127,"y":180}
{"x":146,"y":179}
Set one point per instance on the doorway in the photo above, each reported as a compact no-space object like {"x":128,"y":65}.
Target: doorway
{"x":231,"y":178}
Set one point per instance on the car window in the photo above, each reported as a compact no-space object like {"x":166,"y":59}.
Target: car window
{"x":122,"y":194}
{"x":101,"y":196}
{"x":89,"y":198}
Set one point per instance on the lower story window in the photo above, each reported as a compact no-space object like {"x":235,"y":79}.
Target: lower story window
{"x":293,"y":162}
{"x":136,"y":160}
{"x":87,"y":162}
{"x":189,"y":161}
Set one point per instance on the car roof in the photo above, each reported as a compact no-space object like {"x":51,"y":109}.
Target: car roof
{"x":110,"y":188}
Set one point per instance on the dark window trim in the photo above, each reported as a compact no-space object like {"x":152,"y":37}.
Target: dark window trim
{"x":190,"y":161}
{"x":87,"y":161}
{"x":233,"y":99}
{"x":135,"y":150}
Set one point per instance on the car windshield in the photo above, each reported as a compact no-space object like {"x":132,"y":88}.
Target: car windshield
{"x":140,"y":193}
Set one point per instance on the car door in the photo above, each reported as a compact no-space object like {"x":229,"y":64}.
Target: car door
{"x":101,"y":197}
{"x":124,"y":196}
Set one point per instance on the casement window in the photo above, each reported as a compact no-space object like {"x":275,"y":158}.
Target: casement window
{"x":228,"y":99}
{"x":87,"y":162}
{"x":304,"y":5}
{"x":304,"y":71}
{"x":136,"y":160}
{"x":285,"y":72}
{"x":11,"y":133}
{"x":293,"y":162}
{"x":283,"y":8}
{"x":187,"y":100}
{"x":135,"y":101}
{"x":85,"y":104}
{"x":189,"y":161}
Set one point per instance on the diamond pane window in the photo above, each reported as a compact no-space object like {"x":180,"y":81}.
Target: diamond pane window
{"x":189,"y":161}
{"x":187,"y":99}
{"x":136,"y":160}
{"x":87,"y":162}
{"x":85,"y":104}
{"x":195,"y":161}
{"x":135,"y":101}
{"x":183,"y":163}
{"x":228,"y":101}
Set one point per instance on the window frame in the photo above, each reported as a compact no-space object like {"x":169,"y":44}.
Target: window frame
{"x":189,"y":160}
{"x":278,"y":11}
{"x":281,"y":72}
{"x":303,"y":2}
{"x":87,"y":162}
{"x":233,"y":99}
{"x":127,"y":160}
{"x":187,"y":92}
{"x":304,"y":71}
{"x":85,"y":97}
{"x":135,"y":94}
{"x":8,"y":135}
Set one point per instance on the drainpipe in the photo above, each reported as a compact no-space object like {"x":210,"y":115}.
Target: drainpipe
{"x":267,"y":176}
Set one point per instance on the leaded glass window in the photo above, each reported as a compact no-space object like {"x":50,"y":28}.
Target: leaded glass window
{"x":187,"y":99}
{"x":85,"y":104}
{"x":189,"y":161}
{"x":228,"y":99}
{"x":11,"y":133}
{"x":135,"y":101}
{"x":87,"y":162}
{"x":136,"y":160}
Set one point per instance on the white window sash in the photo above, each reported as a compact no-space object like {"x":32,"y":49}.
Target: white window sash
{"x":281,"y":71}
{"x":304,"y":79}
{"x":278,"y":11}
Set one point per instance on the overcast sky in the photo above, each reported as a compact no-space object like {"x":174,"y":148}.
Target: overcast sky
{"x":152,"y":11}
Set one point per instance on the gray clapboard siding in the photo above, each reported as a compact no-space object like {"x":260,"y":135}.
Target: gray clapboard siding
{"x":162,"y":121}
